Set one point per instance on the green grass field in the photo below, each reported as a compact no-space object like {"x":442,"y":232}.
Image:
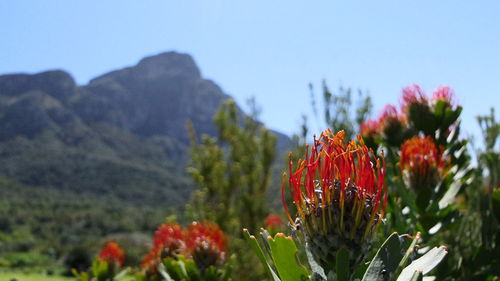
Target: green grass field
{"x":7,"y":276}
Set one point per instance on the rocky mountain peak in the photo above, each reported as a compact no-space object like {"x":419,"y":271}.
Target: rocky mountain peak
{"x":171,"y":64}
{"x":57,"y":83}
{"x":154,"y":69}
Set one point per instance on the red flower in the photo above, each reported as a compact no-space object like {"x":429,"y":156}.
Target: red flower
{"x":421,"y":161}
{"x":150,"y":262}
{"x":369,"y":128}
{"x":370,"y":131}
{"x":168,"y":241}
{"x":205,"y":231}
{"x":390,"y":114}
{"x":340,"y":196}
{"x":392,"y":125}
{"x":412,"y":95}
{"x":206,"y":243}
{"x":445,"y":94}
{"x":112,"y":254}
{"x":273,"y":221}
{"x":389,"y":111}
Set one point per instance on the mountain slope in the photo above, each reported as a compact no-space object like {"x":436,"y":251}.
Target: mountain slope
{"x":120,"y":136}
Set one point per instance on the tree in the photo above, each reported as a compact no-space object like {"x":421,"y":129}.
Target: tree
{"x":233,"y":172}
{"x":341,"y":111}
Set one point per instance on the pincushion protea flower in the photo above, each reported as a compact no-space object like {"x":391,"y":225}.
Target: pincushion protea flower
{"x":413,"y":96}
{"x":445,"y":94}
{"x":273,"y":221}
{"x":202,"y":242}
{"x":206,"y":243}
{"x":340,"y":196}
{"x":369,"y":131}
{"x":421,"y":163}
{"x":168,"y":241}
{"x":273,"y":224}
{"x":105,"y":266}
{"x":150,"y":263}
{"x":430,"y":115}
{"x":392,"y":125}
{"x":369,"y":128}
{"x":112,"y":254}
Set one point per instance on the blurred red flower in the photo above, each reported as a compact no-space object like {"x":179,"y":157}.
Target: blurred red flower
{"x":169,"y":238}
{"x":206,"y":243}
{"x":168,"y":241}
{"x":273,"y":221}
{"x":445,"y":94}
{"x":421,"y":162}
{"x":112,"y":254}
{"x":413,"y":95}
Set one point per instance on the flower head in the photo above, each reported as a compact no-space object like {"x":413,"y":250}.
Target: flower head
{"x":421,"y":163}
{"x":111,"y":253}
{"x":206,"y":243}
{"x":369,"y":128}
{"x":273,"y":221}
{"x":392,"y":125}
{"x":340,"y":195}
{"x":413,"y":96}
{"x":150,"y":262}
{"x":369,"y":131}
{"x":444,"y":94}
{"x":168,"y":241}
{"x":418,"y":110}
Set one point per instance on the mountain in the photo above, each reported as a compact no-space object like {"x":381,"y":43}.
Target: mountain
{"x":123,"y":135}
{"x":82,"y":163}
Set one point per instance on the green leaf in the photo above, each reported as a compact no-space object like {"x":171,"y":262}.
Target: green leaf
{"x":284,"y":252}
{"x":226,"y":275}
{"x":417,"y":276}
{"x":423,"y":264}
{"x":172,"y":270}
{"x":265,"y":235}
{"x":386,"y":260}
{"x":318,"y":272}
{"x":191,"y":269}
{"x":451,"y":116}
{"x":122,"y":274}
{"x":450,"y":195}
{"x":256,"y":248}
{"x":163,"y":272}
{"x":342,"y":265}
{"x":100,"y":269}
{"x":439,"y":108}
{"x":406,"y":257}
{"x":359,"y":271}
{"x":210,"y":274}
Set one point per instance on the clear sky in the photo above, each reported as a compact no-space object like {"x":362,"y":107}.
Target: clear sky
{"x":271,"y":49}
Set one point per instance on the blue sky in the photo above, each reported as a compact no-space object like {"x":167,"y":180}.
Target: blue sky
{"x":271,"y":49}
